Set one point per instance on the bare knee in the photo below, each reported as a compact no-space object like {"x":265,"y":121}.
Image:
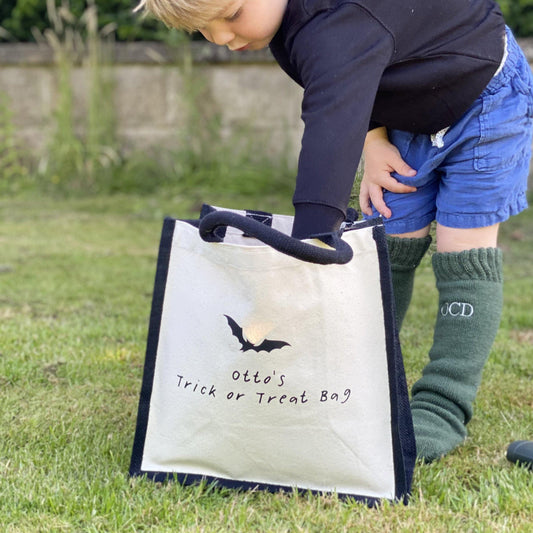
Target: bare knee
{"x":459,"y":239}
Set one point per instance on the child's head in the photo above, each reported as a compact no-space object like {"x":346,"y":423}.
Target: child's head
{"x":237,"y":24}
{"x":189,"y":15}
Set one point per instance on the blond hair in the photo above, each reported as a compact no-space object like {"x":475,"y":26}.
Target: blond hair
{"x":189,"y":15}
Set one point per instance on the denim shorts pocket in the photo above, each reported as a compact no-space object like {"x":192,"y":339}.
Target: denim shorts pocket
{"x":505,"y":124}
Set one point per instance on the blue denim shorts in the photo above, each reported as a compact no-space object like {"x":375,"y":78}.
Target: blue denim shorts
{"x":476,"y":174}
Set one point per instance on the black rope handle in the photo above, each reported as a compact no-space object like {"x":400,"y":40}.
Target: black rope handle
{"x":339,"y":252}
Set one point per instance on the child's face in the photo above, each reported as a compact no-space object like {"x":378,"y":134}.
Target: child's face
{"x":246,"y":24}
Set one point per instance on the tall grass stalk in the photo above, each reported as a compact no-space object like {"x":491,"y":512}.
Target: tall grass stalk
{"x":80,"y":159}
{"x":13,"y":172}
{"x":85,"y":156}
{"x":102,"y":144}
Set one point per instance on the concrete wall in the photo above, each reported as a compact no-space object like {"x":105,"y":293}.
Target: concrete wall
{"x":249,"y":92}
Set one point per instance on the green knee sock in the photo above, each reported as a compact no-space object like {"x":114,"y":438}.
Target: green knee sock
{"x":470,"y":305}
{"x":405,"y":255}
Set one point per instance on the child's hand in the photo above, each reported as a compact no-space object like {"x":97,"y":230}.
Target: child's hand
{"x":381,"y":158}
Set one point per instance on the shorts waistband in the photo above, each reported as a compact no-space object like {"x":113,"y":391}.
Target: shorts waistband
{"x":507,"y":66}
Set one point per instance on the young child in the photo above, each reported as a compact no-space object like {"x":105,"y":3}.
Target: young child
{"x":439,"y":96}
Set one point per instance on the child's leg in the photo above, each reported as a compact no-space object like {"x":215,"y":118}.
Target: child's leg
{"x":472,"y":180}
{"x":405,"y":254}
{"x":484,"y":181}
{"x":470,"y":303}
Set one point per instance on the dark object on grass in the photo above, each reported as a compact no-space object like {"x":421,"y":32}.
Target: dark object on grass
{"x":521,"y":452}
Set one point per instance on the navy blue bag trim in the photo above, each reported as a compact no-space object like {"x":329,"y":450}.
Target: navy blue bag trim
{"x":194,"y":479}
{"x":404,"y":447}
{"x":165,"y":247}
{"x":261,"y":216}
{"x":401,"y":422}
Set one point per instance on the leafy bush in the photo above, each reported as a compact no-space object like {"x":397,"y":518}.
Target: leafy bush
{"x":6,"y":7}
{"x":20,"y":17}
{"x":519,"y":16}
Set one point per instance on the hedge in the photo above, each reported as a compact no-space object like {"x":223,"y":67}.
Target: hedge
{"x":18,"y":17}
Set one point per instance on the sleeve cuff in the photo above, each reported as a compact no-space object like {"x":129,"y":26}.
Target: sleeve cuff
{"x":310,"y":219}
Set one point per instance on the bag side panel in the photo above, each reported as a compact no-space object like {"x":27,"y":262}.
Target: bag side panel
{"x":401,"y":420}
{"x":163,"y":259}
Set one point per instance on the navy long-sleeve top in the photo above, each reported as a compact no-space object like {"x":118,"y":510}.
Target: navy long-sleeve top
{"x":413,"y":65}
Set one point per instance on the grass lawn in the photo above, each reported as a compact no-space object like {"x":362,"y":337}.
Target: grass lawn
{"x":76,"y":278}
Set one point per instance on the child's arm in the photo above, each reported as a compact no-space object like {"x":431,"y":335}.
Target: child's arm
{"x":381,"y":158}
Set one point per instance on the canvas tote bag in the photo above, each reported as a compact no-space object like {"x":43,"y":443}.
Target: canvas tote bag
{"x":274,"y":366}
